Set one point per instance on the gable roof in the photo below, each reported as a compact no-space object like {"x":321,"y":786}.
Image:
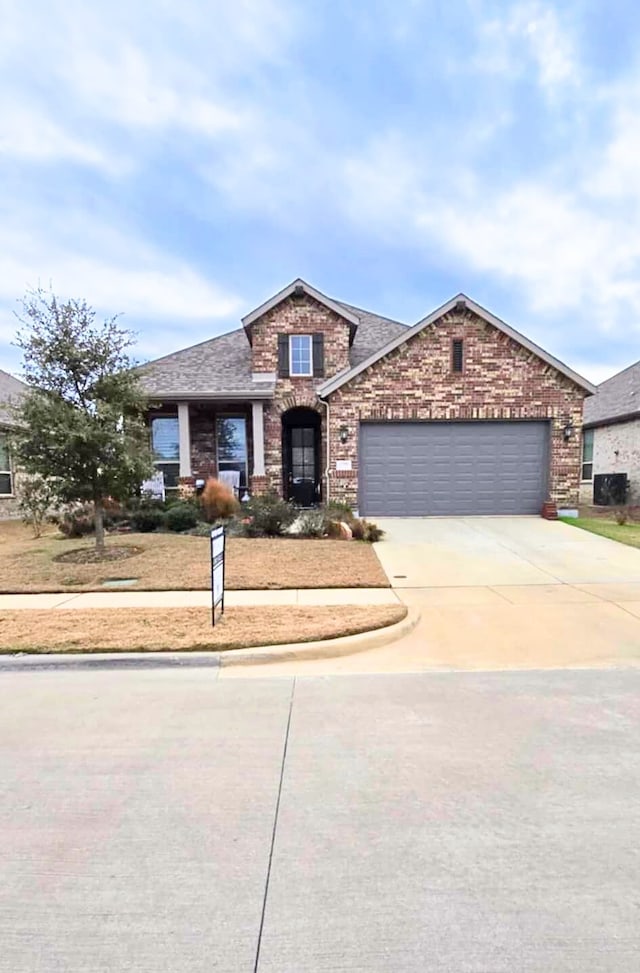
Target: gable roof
{"x":332,"y":384}
{"x":300,"y":286}
{"x":221,"y":366}
{"x":616,"y":399}
{"x":11,"y":391}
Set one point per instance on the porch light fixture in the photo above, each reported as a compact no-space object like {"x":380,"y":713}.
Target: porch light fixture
{"x":344,"y":433}
{"x":568,"y":430}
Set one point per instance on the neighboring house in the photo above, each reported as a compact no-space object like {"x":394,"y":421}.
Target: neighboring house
{"x":11,"y":391}
{"x":318,"y":399}
{"x":611,"y":435}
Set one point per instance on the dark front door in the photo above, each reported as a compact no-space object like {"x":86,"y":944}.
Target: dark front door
{"x":302,"y":461}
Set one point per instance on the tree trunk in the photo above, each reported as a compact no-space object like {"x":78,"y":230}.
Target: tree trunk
{"x":99,"y":518}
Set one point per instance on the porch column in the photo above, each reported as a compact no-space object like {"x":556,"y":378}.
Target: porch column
{"x":257,"y":419}
{"x":184,"y":439}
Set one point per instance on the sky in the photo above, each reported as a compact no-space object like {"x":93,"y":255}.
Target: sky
{"x":180,"y":161}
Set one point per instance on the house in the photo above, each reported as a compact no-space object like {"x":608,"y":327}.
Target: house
{"x":318,"y":399}
{"x":611,"y":434}
{"x":11,"y":390}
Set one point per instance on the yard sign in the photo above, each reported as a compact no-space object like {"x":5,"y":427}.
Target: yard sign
{"x":217,"y":571}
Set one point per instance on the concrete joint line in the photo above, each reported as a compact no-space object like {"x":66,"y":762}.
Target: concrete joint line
{"x":275,"y":827}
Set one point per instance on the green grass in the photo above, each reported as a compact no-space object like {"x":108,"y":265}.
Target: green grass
{"x":624,"y":533}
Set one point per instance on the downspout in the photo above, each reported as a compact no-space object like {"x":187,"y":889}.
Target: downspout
{"x":327,"y":472}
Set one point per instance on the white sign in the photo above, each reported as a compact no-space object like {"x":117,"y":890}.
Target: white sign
{"x":217,"y":571}
{"x":343,"y":465}
{"x":154,"y":488}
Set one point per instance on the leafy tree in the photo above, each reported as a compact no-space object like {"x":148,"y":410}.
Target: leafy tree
{"x":81,"y":425}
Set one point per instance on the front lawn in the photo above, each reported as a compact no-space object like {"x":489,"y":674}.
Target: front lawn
{"x":183,"y":629}
{"x":624,"y":533}
{"x":180,"y":561}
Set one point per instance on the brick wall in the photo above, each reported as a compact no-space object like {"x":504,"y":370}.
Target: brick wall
{"x":616,"y":449}
{"x":295,"y":316}
{"x":501,"y":380}
{"x":9,"y":508}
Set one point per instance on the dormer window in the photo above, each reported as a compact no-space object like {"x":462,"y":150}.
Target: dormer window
{"x":300,"y":354}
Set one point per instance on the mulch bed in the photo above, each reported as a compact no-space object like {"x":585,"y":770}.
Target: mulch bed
{"x":84,"y":555}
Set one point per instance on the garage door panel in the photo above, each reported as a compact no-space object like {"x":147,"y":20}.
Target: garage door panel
{"x":452,"y":468}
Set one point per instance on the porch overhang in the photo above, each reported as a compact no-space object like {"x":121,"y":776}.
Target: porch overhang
{"x":234,"y":395}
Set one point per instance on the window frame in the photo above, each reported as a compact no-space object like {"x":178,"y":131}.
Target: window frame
{"x":235,"y":415}
{"x":8,"y":472}
{"x":159,"y":462}
{"x":587,"y":462}
{"x":292,"y":373}
{"x":457,"y":342}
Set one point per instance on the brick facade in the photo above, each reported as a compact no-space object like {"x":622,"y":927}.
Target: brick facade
{"x":296,"y":316}
{"x":501,"y":380}
{"x":616,"y":449}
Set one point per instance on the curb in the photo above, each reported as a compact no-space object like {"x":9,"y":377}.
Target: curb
{"x":323,"y":649}
{"x":258,"y":655}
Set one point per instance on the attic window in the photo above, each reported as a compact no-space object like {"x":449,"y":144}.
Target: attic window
{"x":457,"y":355}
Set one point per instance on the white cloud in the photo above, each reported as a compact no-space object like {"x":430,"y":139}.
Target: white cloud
{"x":30,"y":135}
{"x":121,"y":274}
{"x":528,"y":33}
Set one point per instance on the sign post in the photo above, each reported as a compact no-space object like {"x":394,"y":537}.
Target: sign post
{"x":217,"y":571}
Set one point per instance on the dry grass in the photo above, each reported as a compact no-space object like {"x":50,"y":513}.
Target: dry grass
{"x":176,"y":561}
{"x":185,"y":629}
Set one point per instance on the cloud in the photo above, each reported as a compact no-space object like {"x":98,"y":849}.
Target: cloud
{"x":115,"y":273}
{"x":528,"y":33}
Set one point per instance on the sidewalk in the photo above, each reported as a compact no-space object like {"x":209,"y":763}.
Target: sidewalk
{"x":200,"y":599}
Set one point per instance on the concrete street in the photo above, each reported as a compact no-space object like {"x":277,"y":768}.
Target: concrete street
{"x":170,"y":820}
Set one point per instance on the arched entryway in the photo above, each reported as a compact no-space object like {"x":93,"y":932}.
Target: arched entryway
{"x":301,"y":456}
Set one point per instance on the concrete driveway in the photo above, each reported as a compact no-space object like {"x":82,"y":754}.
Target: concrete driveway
{"x":501,"y":551}
{"x":502,"y":593}
{"x":170,"y":822}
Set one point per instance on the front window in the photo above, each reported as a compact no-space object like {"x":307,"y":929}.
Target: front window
{"x":587,"y":454}
{"x":232,"y":451}
{"x":6,"y":479}
{"x":300,"y":354}
{"x":165,"y":444}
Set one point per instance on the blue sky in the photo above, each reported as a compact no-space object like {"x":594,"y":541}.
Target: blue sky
{"x":181,"y":161}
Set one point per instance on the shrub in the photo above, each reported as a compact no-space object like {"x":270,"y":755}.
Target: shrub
{"x":76,"y":520}
{"x":373,"y":533}
{"x":267,"y":516}
{"x":202,"y":529}
{"x":218,"y":500}
{"x":36,"y":499}
{"x":365,"y":530}
{"x":181,"y":516}
{"x":333,"y":529}
{"x":358,"y":529}
{"x":312,"y":523}
{"x":621,"y":515}
{"x":334,"y":510}
{"x":147,"y":519}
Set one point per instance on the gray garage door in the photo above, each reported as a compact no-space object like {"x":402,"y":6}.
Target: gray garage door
{"x":414,"y":469}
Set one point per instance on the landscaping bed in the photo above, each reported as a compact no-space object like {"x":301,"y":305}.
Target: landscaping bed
{"x":183,"y":629}
{"x":628,"y":533}
{"x":181,"y":561}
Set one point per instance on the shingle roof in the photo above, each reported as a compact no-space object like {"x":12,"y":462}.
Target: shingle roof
{"x":222,"y":366}
{"x":618,"y":396}
{"x":11,"y":391}
{"x":219,"y":366}
{"x":373,"y":332}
